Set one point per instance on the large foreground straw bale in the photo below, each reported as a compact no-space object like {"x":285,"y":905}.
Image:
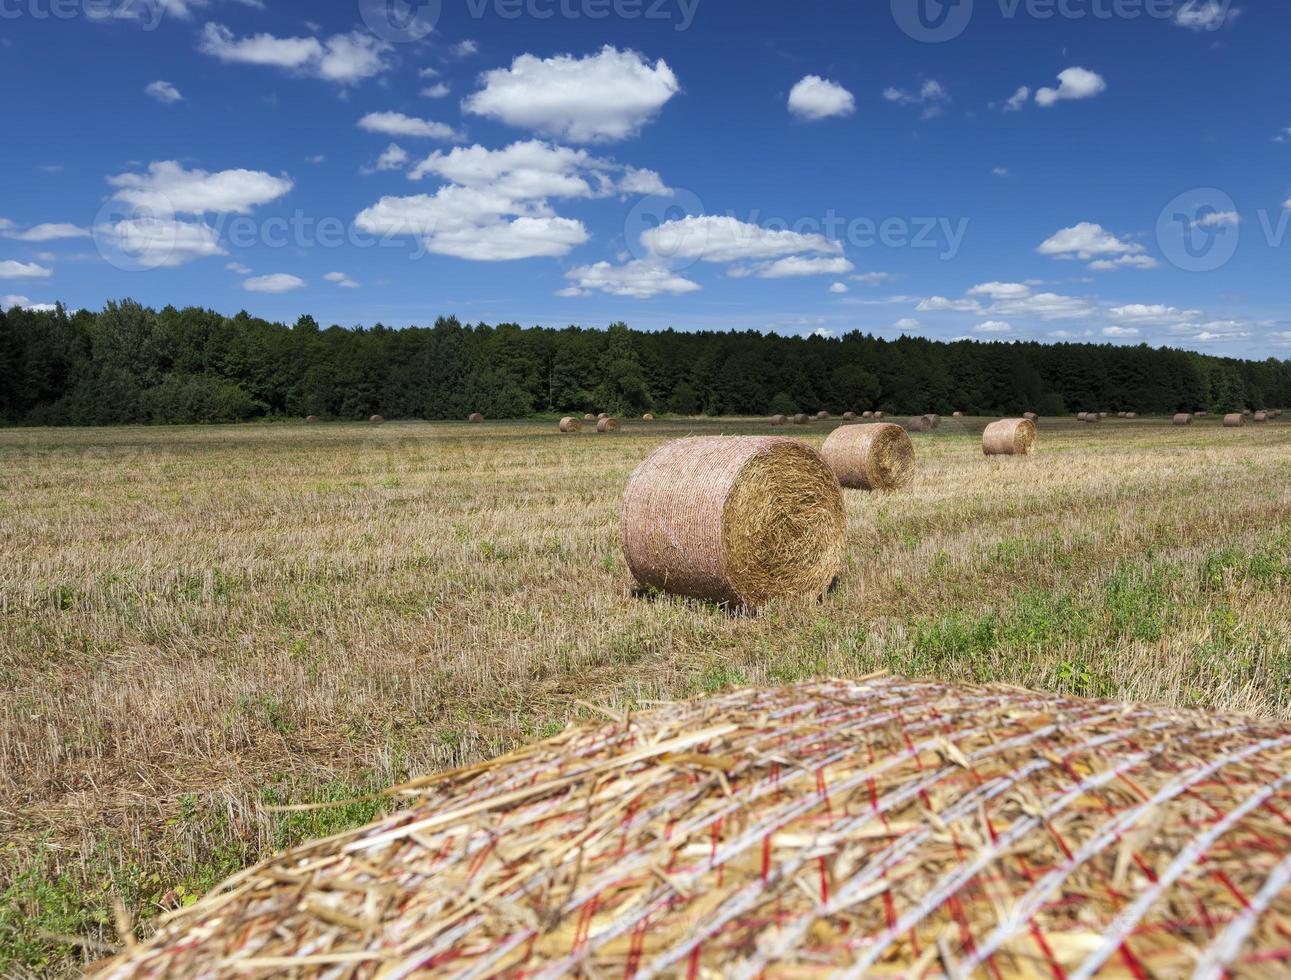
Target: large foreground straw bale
{"x":1009,"y":437}
{"x":870,"y":457}
{"x":570,"y":424}
{"x":1234,"y":421}
{"x":1183,"y":418}
{"x":876,"y":827}
{"x":734,"y":520}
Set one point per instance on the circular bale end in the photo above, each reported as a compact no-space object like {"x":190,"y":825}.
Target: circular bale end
{"x":739,"y":521}
{"x":607,"y":424}
{"x":603,"y":415}
{"x":800,"y":419}
{"x":779,"y":420}
{"x":1234,"y":421}
{"x":570,"y":424}
{"x":1009,"y":437}
{"x":1183,"y":418}
{"x":475,"y":417}
{"x":376,"y":420}
{"x":870,"y":457}
{"x":918,"y":423}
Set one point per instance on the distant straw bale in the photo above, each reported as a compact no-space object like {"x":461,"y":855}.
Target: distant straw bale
{"x":918,"y":423}
{"x":822,"y":416}
{"x":870,"y":827}
{"x":1234,"y":420}
{"x":570,"y":424}
{"x":870,"y":457}
{"x":1183,"y":418}
{"x":1261,"y":416}
{"x":1131,"y":415}
{"x":800,"y":419}
{"x":849,"y":416}
{"x":867,"y":415}
{"x":311,"y":419}
{"x":957,"y":415}
{"x":734,"y":520}
{"x":376,"y":420}
{"x":1009,"y":437}
{"x":934,"y":421}
{"x":607,"y":424}
{"x":603,"y":415}
{"x":589,"y":417}
{"x":779,"y":420}
{"x":879,"y":415}
{"x":647,"y":417}
{"x":475,"y":417}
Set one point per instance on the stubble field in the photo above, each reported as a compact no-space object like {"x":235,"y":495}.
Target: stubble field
{"x":200,"y":627}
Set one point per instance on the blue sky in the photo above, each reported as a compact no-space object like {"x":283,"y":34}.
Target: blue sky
{"x":1107,"y":170}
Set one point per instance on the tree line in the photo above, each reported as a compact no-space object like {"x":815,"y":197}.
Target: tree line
{"x":131,"y":364}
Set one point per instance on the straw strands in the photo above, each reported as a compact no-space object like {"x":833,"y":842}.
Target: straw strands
{"x":875,"y":827}
{"x":870,"y":457}
{"x":734,"y":520}
{"x":569,"y":424}
{"x":1009,"y":437}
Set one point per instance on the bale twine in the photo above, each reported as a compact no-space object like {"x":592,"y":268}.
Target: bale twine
{"x":589,"y":417}
{"x":1183,"y":418}
{"x":1009,"y":437}
{"x":475,"y":417}
{"x":849,"y":416}
{"x":870,"y":457}
{"x":800,"y":419}
{"x":918,"y":423}
{"x":1234,"y":421}
{"x":570,"y":424}
{"x":376,"y":420}
{"x":607,"y":424}
{"x":1261,"y":416}
{"x":867,"y":415}
{"x":310,"y":419}
{"x":735,"y":520}
{"x":779,"y":420}
{"x":822,"y":416}
{"x":866,"y":827}
{"x":1031,"y":416}
{"x":647,"y":417}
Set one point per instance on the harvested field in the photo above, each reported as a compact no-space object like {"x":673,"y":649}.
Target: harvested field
{"x":200,"y":626}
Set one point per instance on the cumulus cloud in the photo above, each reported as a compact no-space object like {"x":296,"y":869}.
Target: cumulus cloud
{"x":239,"y":268}
{"x":342,"y":58}
{"x":1205,"y":15}
{"x":1120,"y":331}
{"x":1091,"y":242}
{"x":277,"y":282}
{"x":838,"y":287}
{"x":908,"y":323}
{"x":436,"y":91}
{"x":1018,"y":99}
{"x":1151,"y":313}
{"x":341,"y":279}
{"x":637,"y":279}
{"x":993,"y":326}
{"x":931,"y":95}
{"x":872,"y":278}
{"x":1074,"y":83}
{"x":942,"y":304}
{"x":1012,"y":299}
{"x":795,"y":266}
{"x":721,"y":238}
{"x":818,"y":98}
{"x":10,"y":269}
{"x":168,"y":188}
{"x":398,"y":124}
{"x":163,"y":92}
{"x":394,"y":157}
{"x":536,"y":169}
{"x":603,"y":97}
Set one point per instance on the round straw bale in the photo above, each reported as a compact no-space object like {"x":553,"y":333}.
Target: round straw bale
{"x":1234,"y":421}
{"x":1248,"y":413}
{"x":607,"y":424}
{"x":870,"y":457}
{"x":1009,"y":437}
{"x":1199,"y":415}
{"x":1261,"y":416}
{"x":1131,"y":415}
{"x":311,"y":418}
{"x":779,"y":420}
{"x":878,"y":415}
{"x":849,"y":416}
{"x":647,"y":417}
{"x":570,"y":424}
{"x":735,"y":520}
{"x":918,"y":423}
{"x":867,"y":415}
{"x":376,"y":420}
{"x":1102,"y":415}
{"x":1089,"y":839}
{"x":1183,"y":418}
{"x":957,"y":415}
{"x":589,"y":417}
{"x":934,"y":421}
{"x":475,"y":417}
{"x":822,"y":416}
{"x":603,"y":415}
{"x":800,"y":419}
{"x":1031,"y":416}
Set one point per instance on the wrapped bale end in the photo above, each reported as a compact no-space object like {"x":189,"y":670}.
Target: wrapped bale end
{"x":870,"y":457}
{"x":765,"y":832}
{"x":569,"y":424}
{"x":1009,"y":437}
{"x":739,"y":521}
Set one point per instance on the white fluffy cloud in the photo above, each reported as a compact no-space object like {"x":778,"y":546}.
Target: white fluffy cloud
{"x":637,"y":279}
{"x":341,"y":279}
{"x":1074,"y":83}
{"x":342,"y":58}
{"x":394,"y":157}
{"x":1151,"y":314}
{"x":941,"y":304}
{"x":534,"y":169}
{"x":1018,"y":99}
{"x":11,"y":301}
{"x":1092,"y":243}
{"x":1205,"y":15}
{"x":436,"y":91}
{"x":160,"y":243}
{"x":993,"y":326}
{"x":931,"y":95}
{"x":168,"y":188}
{"x":278,"y":282}
{"x":49,"y":232}
{"x":10,"y":269}
{"x":163,"y":92}
{"x":1012,"y":299}
{"x":602,"y":97}
{"x":818,"y":98}
{"x":794,"y":266}
{"x":839,"y":287}
{"x":721,"y":238}
{"x":398,"y":124}
{"x":1120,"y":331}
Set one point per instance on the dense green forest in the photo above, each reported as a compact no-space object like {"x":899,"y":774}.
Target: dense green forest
{"x":132,"y":364}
